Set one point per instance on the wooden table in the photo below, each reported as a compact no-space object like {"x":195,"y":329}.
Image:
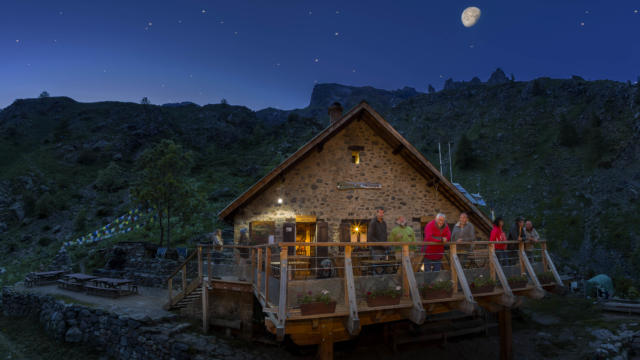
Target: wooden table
{"x":112,"y":287}
{"x":42,"y":278}
{"x":74,"y":282}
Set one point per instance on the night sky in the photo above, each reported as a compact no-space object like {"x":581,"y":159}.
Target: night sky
{"x":270,"y":53}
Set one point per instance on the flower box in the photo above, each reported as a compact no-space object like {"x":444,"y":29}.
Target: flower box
{"x":518,"y":284}
{"x":481,"y":289}
{"x":315,"y":308}
{"x":546,"y":278}
{"x":436,"y":294}
{"x":382,"y":300}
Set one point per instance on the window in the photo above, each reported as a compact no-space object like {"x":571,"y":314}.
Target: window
{"x":355,"y":157}
{"x":260,"y":231}
{"x":305,"y":233}
{"x":355,"y":153}
{"x":353,"y":231}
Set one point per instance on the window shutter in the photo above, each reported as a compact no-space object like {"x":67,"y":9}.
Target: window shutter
{"x":289,"y":235}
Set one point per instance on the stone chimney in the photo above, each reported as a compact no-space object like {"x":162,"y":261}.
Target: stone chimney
{"x":335,"y":112}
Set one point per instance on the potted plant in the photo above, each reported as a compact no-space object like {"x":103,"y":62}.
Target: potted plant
{"x":437,"y":290}
{"x":320,"y":303}
{"x":482,"y":285}
{"x":518,"y":282}
{"x":546,"y":277}
{"x":384,"y":297}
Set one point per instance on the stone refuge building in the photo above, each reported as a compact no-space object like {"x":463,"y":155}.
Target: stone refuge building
{"x":328,"y":190}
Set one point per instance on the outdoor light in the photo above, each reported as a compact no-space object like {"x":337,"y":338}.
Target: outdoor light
{"x":279,"y":200}
{"x":357,"y":229}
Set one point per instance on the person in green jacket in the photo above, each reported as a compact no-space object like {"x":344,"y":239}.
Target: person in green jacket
{"x":401,"y":233}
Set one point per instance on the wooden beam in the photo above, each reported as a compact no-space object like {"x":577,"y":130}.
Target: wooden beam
{"x":506,"y":350}
{"x":205,"y":308}
{"x":417,"y":314}
{"x":200,"y":270}
{"x":397,"y":149}
{"x":551,"y":266}
{"x":209,"y":266}
{"x":325,"y":348}
{"x":282,"y":301}
{"x":469,"y":304}
{"x":538,"y":291}
{"x":259,"y":273}
{"x":353,"y":322}
{"x":267,"y":273}
{"x":507,"y":298}
{"x":170,"y":288}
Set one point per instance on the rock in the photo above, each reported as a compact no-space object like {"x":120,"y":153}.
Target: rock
{"x":17,"y":211}
{"x":57,"y":229}
{"x":73,"y":335}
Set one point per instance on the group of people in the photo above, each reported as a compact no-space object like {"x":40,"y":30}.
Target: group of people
{"x":437,"y":231}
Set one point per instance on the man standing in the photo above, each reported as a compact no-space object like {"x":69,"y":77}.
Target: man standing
{"x":463,"y":231}
{"x":532,"y":237}
{"x":436,"y":231}
{"x":516,"y":233}
{"x":377,"y":232}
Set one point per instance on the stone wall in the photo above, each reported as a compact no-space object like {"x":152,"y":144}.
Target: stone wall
{"x":137,"y":261}
{"x":125,"y":337}
{"x":227,"y":308}
{"x":310,"y":187}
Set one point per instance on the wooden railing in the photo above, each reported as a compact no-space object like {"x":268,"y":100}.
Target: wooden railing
{"x":187,"y":285}
{"x":278,"y":311}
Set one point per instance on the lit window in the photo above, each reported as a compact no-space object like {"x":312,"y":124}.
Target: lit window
{"x":355,"y":157}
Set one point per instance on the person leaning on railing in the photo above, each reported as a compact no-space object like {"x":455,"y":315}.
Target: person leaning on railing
{"x":463,"y":231}
{"x":402,"y":233}
{"x":436,"y":230}
{"x":498,"y":235}
{"x":532,"y":237}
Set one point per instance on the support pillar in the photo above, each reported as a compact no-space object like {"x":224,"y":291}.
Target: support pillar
{"x":506,"y":341}
{"x":325,"y":348}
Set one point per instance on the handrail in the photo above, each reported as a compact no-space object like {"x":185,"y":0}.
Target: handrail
{"x":184,"y":263}
{"x":394,"y":243}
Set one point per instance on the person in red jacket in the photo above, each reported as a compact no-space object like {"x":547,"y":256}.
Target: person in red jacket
{"x":497,"y":234}
{"x":436,"y":231}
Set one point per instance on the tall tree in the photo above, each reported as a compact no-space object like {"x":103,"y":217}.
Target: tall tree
{"x":162,"y":183}
{"x":464,"y":157}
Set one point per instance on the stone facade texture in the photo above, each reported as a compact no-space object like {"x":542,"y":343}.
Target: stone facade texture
{"x":310,"y":188}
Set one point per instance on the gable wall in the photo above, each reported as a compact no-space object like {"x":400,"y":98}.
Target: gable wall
{"x":310,"y":187}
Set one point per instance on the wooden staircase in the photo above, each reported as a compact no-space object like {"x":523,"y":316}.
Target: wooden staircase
{"x":187,"y":300}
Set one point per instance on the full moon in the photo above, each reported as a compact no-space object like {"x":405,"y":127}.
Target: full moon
{"x":470,"y":16}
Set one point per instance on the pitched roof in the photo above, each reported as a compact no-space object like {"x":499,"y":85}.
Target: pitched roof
{"x":401,"y":147}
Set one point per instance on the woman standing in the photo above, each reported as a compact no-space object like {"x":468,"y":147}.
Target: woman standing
{"x":498,"y":235}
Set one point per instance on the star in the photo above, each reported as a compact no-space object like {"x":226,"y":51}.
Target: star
{"x":179,"y":21}
{"x":55,"y":41}
{"x":162,"y":85}
{"x":60,"y":13}
{"x":310,"y":12}
{"x":277,"y":64}
{"x":471,"y":46}
{"x":582,"y":23}
{"x":586,"y":11}
{"x":17,"y":41}
{"x":336,"y":33}
{"x":635,"y":11}
{"x":204,"y":11}
{"x":354,"y":70}
{"x":337,"y":12}
{"x":441,"y":76}
{"x":191,"y":75}
{"x":316,"y":60}
{"x":221,"y":22}
{"x":235,"y":33}
{"x":150,"y":23}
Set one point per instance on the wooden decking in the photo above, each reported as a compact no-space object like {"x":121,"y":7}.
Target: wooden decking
{"x":274,"y":285}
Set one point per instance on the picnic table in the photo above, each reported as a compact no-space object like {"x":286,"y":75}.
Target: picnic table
{"x":111,"y":287}
{"x":74,"y":282}
{"x":43,"y":278}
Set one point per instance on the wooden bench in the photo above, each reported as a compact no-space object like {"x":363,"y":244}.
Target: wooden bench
{"x":102,"y":291}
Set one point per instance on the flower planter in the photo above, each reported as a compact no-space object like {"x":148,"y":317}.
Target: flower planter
{"x":382,"y":300}
{"x":436,"y":294}
{"x":315,"y":308}
{"x":546,"y":280}
{"x":519,"y":284}
{"x":481,"y":289}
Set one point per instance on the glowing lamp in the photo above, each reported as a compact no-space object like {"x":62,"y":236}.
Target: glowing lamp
{"x":279,"y":200}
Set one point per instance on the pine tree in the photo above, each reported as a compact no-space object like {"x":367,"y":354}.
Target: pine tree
{"x":464,"y":157}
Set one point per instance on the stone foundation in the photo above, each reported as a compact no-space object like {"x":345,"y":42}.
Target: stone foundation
{"x":125,"y":337}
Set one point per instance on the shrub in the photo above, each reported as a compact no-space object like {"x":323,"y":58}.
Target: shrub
{"x":44,"y":206}
{"x":111,"y":179}
{"x":44,"y":241}
{"x":87,"y":157}
{"x":482,"y":281}
{"x":446,"y":285}
{"x":391,"y":292}
{"x":464,"y":157}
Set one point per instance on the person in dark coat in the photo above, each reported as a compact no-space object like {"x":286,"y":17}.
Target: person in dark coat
{"x":377,"y":232}
{"x":516,"y":233}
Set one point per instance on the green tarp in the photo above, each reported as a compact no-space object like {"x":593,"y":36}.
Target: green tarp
{"x":602,"y":282}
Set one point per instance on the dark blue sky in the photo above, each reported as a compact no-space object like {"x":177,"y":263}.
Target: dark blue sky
{"x":270,"y":53}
